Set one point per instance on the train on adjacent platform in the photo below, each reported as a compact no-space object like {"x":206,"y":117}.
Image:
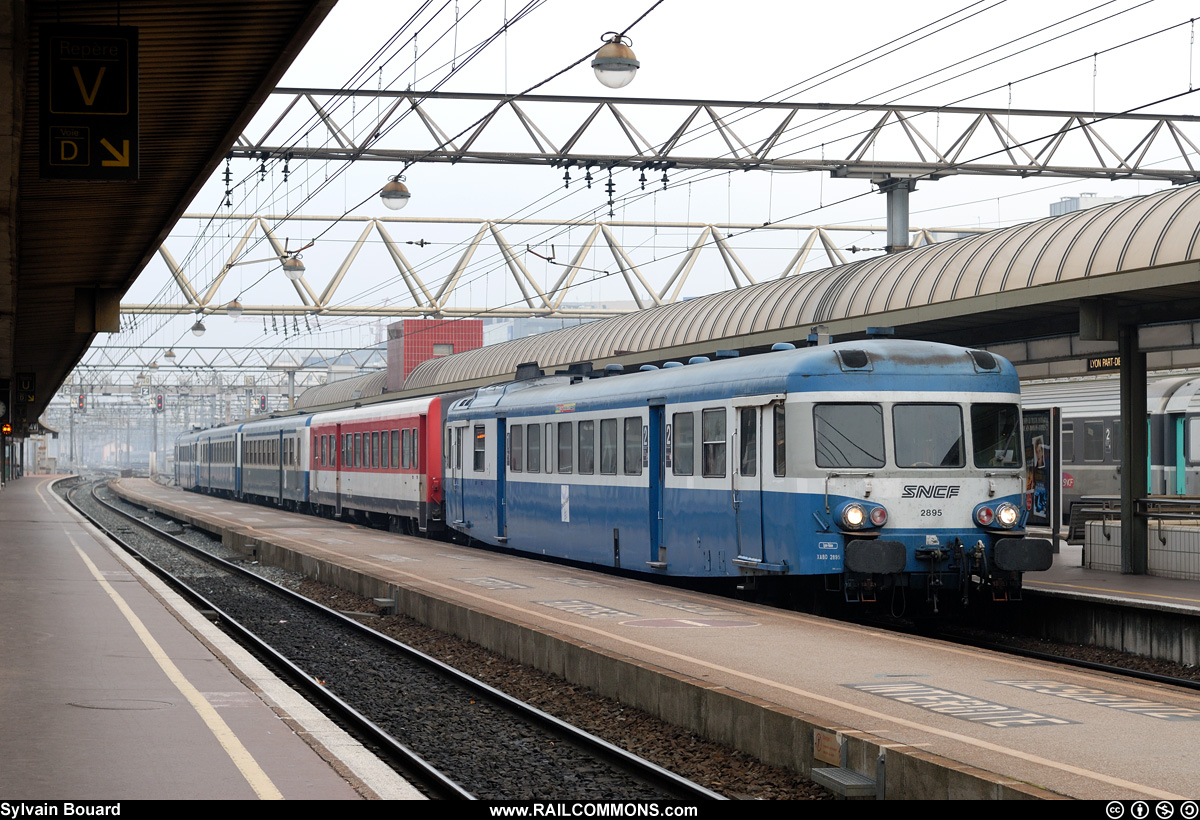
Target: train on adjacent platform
{"x":1090,"y":439}
{"x":876,"y":470}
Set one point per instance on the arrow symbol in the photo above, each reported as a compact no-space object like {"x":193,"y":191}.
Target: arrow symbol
{"x":122,"y":156}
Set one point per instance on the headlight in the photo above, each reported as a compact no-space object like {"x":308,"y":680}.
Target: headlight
{"x":985,"y":516}
{"x":878,"y":516}
{"x":1007,"y":515}
{"x":853,"y":516}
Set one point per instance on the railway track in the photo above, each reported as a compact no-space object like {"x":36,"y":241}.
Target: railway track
{"x":456,"y":737}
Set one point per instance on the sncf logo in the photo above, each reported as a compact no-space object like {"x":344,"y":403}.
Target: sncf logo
{"x":929,"y":491}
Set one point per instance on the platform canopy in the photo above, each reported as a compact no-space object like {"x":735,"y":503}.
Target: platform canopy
{"x":1132,"y":262}
{"x":72,"y":246}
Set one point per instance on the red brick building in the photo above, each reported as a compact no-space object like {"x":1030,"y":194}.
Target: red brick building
{"x":413,"y":341}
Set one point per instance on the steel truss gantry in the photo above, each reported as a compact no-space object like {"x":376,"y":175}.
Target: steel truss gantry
{"x":217,"y":368}
{"x":870,"y":141}
{"x":432,"y":292}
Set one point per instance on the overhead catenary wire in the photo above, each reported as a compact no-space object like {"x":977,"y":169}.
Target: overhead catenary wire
{"x":626,"y":199}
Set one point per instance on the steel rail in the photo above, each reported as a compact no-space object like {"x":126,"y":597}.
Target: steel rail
{"x":408,"y":761}
{"x":669,"y":782}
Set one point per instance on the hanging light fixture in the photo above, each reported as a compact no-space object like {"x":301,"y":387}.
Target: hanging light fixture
{"x":615,"y":64}
{"x":234,"y":309}
{"x":293,"y":269}
{"x":395,"y":194}
{"x":170,"y":354}
{"x":198,"y":328}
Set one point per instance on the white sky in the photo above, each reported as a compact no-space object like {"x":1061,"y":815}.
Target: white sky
{"x":700,"y":50}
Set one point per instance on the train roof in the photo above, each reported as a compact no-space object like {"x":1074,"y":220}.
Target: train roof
{"x":871,"y":365}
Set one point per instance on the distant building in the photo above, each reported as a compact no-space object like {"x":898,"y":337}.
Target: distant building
{"x":496,"y":331}
{"x":1071,"y":204}
{"x":413,"y":341}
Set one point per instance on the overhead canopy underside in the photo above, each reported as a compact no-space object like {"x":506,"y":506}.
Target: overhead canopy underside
{"x":205,"y":66}
{"x":1141,"y":257}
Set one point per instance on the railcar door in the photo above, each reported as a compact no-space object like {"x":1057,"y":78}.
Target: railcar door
{"x":339,"y":452}
{"x":455,"y":510}
{"x":747,"y":482}
{"x":654,"y":464}
{"x":237,"y":465}
{"x":501,"y":467}
{"x":279,"y":459}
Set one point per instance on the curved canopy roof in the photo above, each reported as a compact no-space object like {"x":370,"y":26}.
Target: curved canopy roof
{"x":344,"y":390}
{"x":968,"y":290}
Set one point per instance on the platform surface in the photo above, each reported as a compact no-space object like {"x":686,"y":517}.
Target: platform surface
{"x":111,"y":688}
{"x":1075,"y":733}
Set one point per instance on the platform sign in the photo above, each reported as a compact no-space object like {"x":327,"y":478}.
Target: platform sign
{"x":89,"y":102}
{"x":26,"y":388}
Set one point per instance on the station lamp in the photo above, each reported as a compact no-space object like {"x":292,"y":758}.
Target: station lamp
{"x":615,"y":64}
{"x":234,"y":309}
{"x":6,"y":429}
{"x":198,"y":328}
{"x":293,"y":269}
{"x":395,"y":194}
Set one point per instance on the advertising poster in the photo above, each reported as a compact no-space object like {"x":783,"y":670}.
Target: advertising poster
{"x":1038,"y":440}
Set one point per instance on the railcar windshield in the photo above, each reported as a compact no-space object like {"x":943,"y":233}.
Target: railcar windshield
{"x":928,"y":435}
{"x":996,"y":435}
{"x":849,"y":435}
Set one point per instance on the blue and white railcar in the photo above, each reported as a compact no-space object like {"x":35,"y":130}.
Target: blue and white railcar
{"x":206,"y":460}
{"x":873,"y":465}
{"x":186,"y":454}
{"x":274,"y":454}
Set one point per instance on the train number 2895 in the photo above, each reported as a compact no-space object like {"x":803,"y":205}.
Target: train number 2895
{"x":931,"y":513}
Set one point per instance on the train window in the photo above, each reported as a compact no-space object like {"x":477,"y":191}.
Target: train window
{"x":779,"y":418}
{"x":995,"y":435}
{"x":516,"y":459}
{"x":414,"y":443}
{"x":375,"y":449}
{"x":533,"y":455}
{"x":608,"y":446}
{"x":1068,"y":442}
{"x":1093,"y":441}
{"x":395,"y":449}
{"x":358,"y":459}
{"x":683,"y":456}
{"x":633,"y":446}
{"x":1118,"y":445}
{"x":479,"y":460}
{"x":549,"y":449}
{"x":565,"y":446}
{"x":587,"y":447}
{"x":748,"y":462}
{"x":848,"y":435}
{"x":405,"y":461}
{"x":928,"y":435}
{"x":385,"y":450}
{"x":712,"y":429}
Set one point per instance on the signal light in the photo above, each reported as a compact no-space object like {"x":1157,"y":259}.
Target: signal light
{"x":158,"y":403}
{"x":80,"y":401}
{"x":6,"y":429}
{"x":262,"y":403}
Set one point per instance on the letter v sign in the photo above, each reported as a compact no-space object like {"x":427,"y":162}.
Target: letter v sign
{"x":88,"y":99}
